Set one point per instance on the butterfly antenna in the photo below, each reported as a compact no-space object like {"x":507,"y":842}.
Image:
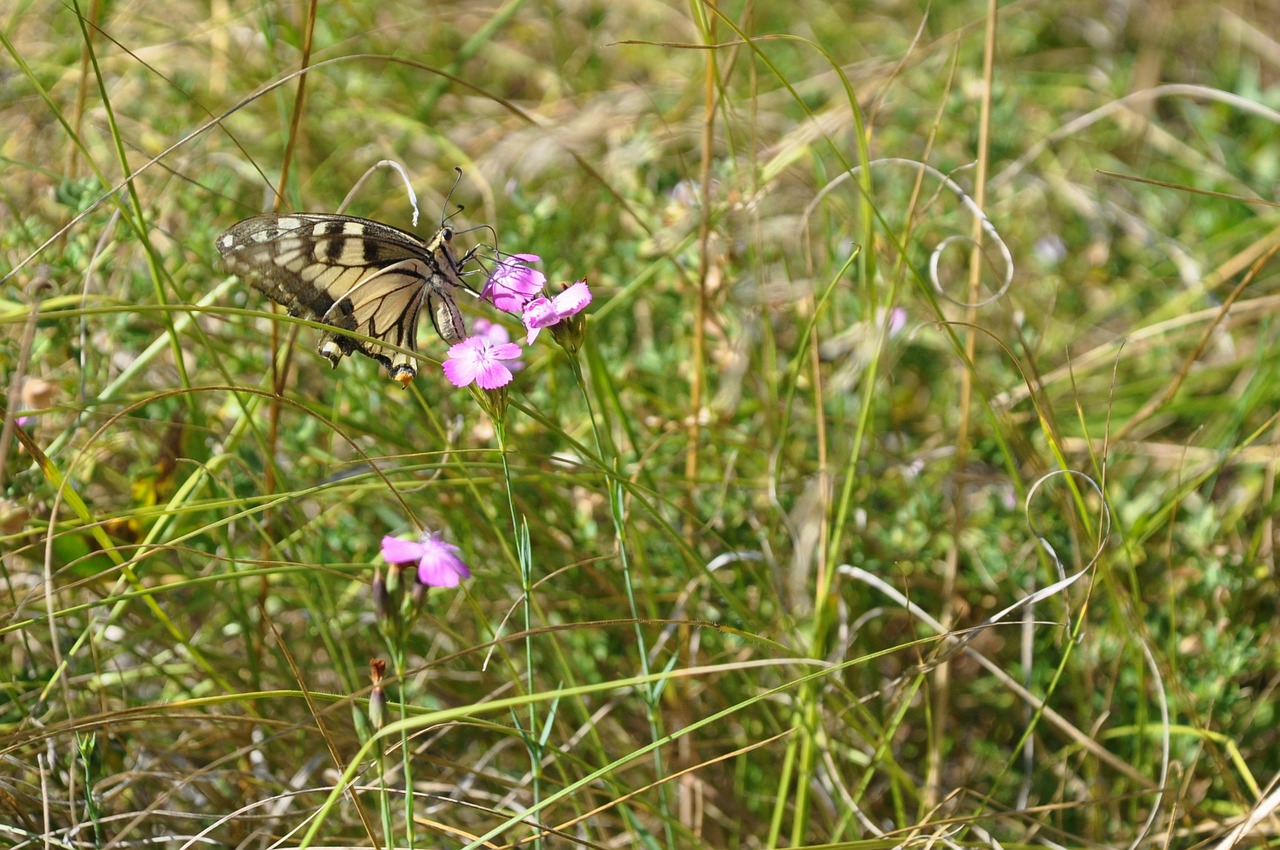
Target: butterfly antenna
{"x":445,"y":215}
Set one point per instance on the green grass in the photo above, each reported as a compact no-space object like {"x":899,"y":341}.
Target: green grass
{"x":709,"y":552}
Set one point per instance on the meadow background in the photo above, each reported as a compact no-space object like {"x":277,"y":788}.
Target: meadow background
{"x":743,"y":572}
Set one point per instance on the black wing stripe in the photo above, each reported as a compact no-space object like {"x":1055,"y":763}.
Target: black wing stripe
{"x":330,"y":248}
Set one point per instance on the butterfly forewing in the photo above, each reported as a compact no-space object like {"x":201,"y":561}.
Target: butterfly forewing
{"x":354,"y":274}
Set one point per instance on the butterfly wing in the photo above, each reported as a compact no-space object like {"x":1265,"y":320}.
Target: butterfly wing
{"x":354,"y":274}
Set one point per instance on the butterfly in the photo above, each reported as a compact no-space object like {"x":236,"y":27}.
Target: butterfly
{"x":354,"y":275}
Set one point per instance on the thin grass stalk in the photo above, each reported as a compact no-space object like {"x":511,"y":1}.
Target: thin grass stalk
{"x":493,"y":23}
{"x":706,"y":26}
{"x":524,"y":557}
{"x":800,"y":716}
{"x":139,"y":220}
{"x":618,"y":516}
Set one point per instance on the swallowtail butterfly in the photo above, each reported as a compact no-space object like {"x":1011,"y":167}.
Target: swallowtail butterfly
{"x":353,"y":274}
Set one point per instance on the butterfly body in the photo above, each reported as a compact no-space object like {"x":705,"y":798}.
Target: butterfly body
{"x":354,"y":274}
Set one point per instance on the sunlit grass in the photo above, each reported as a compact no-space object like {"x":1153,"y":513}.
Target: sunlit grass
{"x":713,"y":553}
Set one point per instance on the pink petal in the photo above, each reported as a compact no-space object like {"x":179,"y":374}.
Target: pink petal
{"x":503,"y":300}
{"x":439,"y":574}
{"x":513,"y":283}
{"x":465,"y":359}
{"x":493,"y":375}
{"x":460,"y":372}
{"x":505,"y":351}
{"x":440,"y":565}
{"x":477,"y":359}
{"x":540,"y":313}
{"x":397,"y":551}
{"x":572,"y":300}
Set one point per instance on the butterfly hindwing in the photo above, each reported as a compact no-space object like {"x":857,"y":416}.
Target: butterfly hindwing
{"x":354,"y":274}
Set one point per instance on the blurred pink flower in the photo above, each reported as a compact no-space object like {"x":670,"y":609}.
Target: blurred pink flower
{"x":492,"y":331}
{"x":897,"y":321}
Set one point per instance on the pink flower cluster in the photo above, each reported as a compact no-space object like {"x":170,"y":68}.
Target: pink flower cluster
{"x":515,"y":288}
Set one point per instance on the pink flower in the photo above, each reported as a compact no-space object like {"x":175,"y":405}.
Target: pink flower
{"x":438,"y":561}
{"x":545,"y":312}
{"x":478,"y":359}
{"x":513,"y":283}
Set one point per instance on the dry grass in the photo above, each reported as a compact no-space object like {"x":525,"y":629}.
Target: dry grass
{"x":748,"y":514}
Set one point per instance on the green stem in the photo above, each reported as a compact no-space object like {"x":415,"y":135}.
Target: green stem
{"x":397,"y":659}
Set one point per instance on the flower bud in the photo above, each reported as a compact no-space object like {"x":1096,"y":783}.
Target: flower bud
{"x":394,"y":581}
{"x":382,"y":606}
{"x":569,"y":333}
{"x":378,"y":698}
{"x":492,"y":402}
